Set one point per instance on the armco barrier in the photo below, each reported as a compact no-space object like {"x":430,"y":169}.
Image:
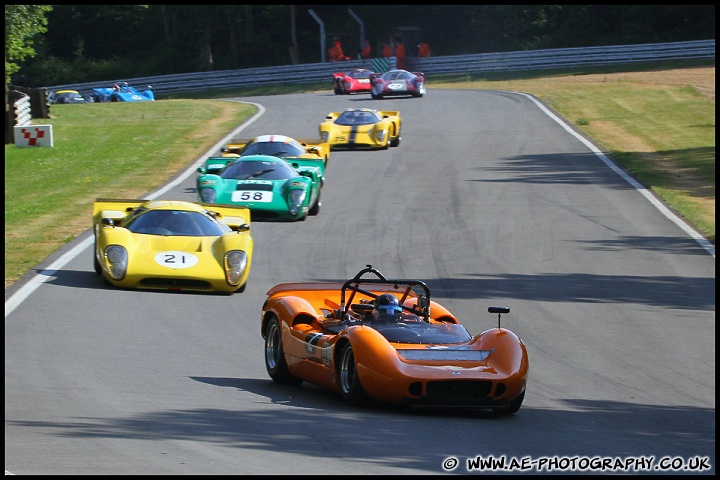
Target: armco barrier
{"x":480,"y":63}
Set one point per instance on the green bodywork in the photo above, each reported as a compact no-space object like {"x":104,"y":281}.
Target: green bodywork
{"x":293,"y":197}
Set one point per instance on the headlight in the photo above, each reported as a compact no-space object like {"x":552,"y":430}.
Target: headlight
{"x":236,"y":262}
{"x":381,"y":134}
{"x":208,"y":195}
{"x":117,"y":259}
{"x":324,"y":136}
{"x":297,"y":198}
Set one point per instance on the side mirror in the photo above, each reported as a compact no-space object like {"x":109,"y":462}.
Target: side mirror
{"x":109,"y":222}
{"x":202,"y":170}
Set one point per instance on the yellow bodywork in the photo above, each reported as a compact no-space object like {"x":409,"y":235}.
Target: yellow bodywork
{"x":167,"y":262}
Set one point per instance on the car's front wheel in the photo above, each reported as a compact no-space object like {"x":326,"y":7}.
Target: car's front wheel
{"x":315,"y":209}
{"x":275,"y":362}
{"x":96,"y":264}
{"x":351,"y":389}
{"x":396,"y":141}
{"x":514,"y":405}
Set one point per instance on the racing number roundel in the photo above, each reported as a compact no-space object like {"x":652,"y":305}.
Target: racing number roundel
{"x":175,"y":259}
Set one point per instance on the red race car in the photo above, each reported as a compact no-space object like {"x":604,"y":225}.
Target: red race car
{"x":395,"y":83}
{"x":355,"y":81}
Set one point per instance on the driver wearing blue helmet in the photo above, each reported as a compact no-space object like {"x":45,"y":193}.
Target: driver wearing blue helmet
{"x":387,"y":308}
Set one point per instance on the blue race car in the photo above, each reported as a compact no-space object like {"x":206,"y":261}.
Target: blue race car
{"x":122,"y":92}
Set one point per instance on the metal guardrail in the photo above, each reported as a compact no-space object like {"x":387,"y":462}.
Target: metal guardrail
{"x":480,"y":63}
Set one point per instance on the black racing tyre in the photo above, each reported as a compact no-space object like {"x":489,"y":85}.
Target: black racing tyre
{"x":351,"y":389}
{"x":514,"y":405}
{"x":396,"y":142}
{"x":96,"y":264}
{"x":315,"y":209}
{"x":275,"y":362}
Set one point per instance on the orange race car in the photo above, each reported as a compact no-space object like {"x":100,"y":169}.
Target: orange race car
{"x":373,"y":338}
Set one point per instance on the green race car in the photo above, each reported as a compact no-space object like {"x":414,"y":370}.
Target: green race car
{"x":271,"y":187}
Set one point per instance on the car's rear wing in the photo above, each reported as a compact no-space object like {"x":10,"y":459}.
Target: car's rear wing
{"x":235,"y":145}
{"x":313,"y":142}
{"x":215,"y":164}
{"x":301,"y":164}
{"x":332,"y":115}
{"x":115,"y":209}
{"x":388,"y":113}
{"x":309,"y":167}
{"x":234,"y":216}
{"x":317,"y":146}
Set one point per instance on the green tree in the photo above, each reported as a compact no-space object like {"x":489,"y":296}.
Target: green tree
{"x":22,"y":23}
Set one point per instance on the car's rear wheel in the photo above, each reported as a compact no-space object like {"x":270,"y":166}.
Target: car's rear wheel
{"x":351,"y":389}
{"x":275,"y":362}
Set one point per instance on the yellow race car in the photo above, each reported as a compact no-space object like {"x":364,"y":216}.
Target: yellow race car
{"x":279,"y":146}
{"x":361,"y":128}
{"x":172,"y":245}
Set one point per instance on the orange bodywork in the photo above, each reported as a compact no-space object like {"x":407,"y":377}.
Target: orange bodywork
{"x":488,"y":370}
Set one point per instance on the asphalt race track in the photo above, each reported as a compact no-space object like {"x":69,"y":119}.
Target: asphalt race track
{"x":490,"y":201}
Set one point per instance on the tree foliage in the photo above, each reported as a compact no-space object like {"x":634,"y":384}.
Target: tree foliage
{"x":22,"y":24}
{"x":87,"y":43}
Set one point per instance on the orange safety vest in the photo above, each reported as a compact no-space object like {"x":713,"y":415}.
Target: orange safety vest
{"x":335,"y":52}
{"x":367,"y":51}
{"x":400,"y":54}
